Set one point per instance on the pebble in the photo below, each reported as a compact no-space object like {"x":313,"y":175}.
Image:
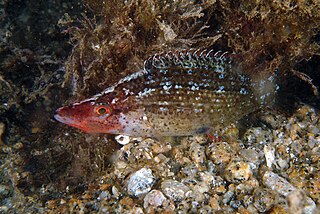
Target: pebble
{"x":283,"y":187}
{"x":263,"y":200}
{"x":4,"y":191}
{"x":140,"y":182}
{"x":252,"y":157}
{"x":174,"y":190}
{"x":104,"y":195}
{"x":257,"y":136}
{"x":122,"y":139}
{"x":220,"y":152}
{"x":154,"y":198}
{"x":269,"y":154}
{"x":214,"y":202}
{"x":197,"y":153}
{"x":277,"y":183}
{"x":115,"y":192}
{"x":238,"y":171}
{"x":296,"y":201}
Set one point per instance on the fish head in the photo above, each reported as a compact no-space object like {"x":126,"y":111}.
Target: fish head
{"x":90,"y":117}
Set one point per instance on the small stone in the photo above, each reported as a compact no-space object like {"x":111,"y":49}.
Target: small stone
{"x":228,"y":195}
{"x":214,"y":202}
{"x":307,"y":113}
{"x":296,"y":201}
{"x":313,"y":129}
{"x":127,"y":201}
{"x":140,"y":182}
{"x":251,"y":156}
{"x":174,"y":190}
{"x":263,"y":200}
{"x":282,"y":164}
{"x":122,"y":139}
{"x":18,"y":146}
{"x":277,"y":183}
{"x":154,"y":198}
{"x":137,"y":210}
{"x":220,"y":152}
{"x":104,"y":195}
{"x":115,"y":192}
{"x":269,"y":154}
{"x":257,"y":136}
{"x":4,"y":191}
{"x":197,"y":153}
{"x":238,"y":171}
{"x":4,"y":209}
{"x":283,"y":187}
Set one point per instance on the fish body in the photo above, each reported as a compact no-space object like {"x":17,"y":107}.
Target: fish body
{"x":177,"y":93}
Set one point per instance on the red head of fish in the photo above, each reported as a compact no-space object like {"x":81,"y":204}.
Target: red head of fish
{"x":90,"y":116}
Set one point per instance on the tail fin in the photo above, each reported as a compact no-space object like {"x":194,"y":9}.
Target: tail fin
{"x":265,"y":89}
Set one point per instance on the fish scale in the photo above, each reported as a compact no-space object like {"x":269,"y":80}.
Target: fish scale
{"x":177,"y":93}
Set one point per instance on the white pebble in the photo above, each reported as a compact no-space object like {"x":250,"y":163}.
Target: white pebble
{"x":140,"y":182}
{"x":122,"y":139}
{"x":154,"y":198}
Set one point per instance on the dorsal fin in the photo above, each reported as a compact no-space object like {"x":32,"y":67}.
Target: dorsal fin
{"x":191,"y":58}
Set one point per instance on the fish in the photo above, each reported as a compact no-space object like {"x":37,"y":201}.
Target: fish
{"x":176,"y":93}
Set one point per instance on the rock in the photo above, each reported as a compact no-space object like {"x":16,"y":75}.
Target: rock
{"x":257,"y":136}
{"x":122,"y":139}
{"x":214,"y":202}
{"x":4,"y":191}
{"x":283,"y":187}
{"x":238,"y":171}
{"x":104,"y":195}
{"x":197,"y":153}
{"x":264,"y":200}
{"x":220,"y":152}
{"x":154,"y":198}
{"x":296,"y":201}
{"x":252,"y":157}
{"x":174,"y":190}
{"x":115,"y":192}
{"x":269,"y":154}
{"x":277,"y":183}
{"x":140,"y":182}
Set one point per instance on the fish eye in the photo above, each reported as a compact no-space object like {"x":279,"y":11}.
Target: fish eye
{"x":103,"y":110}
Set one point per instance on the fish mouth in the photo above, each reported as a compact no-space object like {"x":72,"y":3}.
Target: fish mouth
{"x":63,"y":119}
{"x":59,"y":118}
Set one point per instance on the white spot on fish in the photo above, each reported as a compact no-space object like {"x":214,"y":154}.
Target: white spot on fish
{"x":114,"y":100}
{"x":221,"y":89}
{"x":163,"y":109}
{"x":146,"y":91}
{"x":126,"y":91}
{"x":193,"y":88}
{"x":163,"y":103}
{"x":243,"y":91}
{"x":166,"y":87}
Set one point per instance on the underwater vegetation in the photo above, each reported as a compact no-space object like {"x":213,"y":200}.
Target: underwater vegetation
{"x":56,"y":53}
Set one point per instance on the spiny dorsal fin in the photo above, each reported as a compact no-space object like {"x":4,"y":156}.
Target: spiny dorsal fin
{"x":190,"y":58}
